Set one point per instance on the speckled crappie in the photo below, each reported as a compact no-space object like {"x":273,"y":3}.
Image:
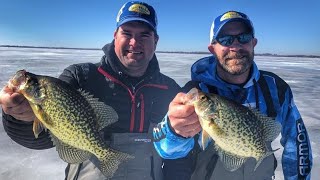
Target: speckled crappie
{"x":239,"y":132}
{"x":73,"y":117}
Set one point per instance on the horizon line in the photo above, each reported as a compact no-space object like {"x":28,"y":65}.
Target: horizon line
{"x":178,"y":52}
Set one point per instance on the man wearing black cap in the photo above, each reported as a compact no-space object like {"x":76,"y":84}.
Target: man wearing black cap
{"x":128,"y":79}
{"x":231,"y":72}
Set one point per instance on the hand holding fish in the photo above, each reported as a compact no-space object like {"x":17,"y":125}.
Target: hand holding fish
{"x":182,"y":116}
{"x":16,"y":105}
{"x":73,"y":117}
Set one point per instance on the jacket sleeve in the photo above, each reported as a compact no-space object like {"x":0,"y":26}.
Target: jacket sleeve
{"x":74,"y":74}
{"x":168,"y":144}
{"x":21,"y":132}
{"x":297,"y":154}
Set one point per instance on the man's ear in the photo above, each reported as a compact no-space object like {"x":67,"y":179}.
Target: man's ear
{"x":211,"y":48}
{"x":156,"y":40}
{"x":255,"y":42}
{"x":115,"y":33}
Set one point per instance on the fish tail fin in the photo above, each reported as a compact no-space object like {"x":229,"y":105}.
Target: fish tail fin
{"x":110,"y":163}
{"x":264,"y":156}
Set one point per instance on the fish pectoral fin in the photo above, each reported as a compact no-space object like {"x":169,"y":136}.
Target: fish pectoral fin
{"x":46,"y":118}
{"x":68,"y":153}
{"x":37,"y":127}
{"x":205,"y":138}
{"x":230,"y":161}
{"x":41,"y":115}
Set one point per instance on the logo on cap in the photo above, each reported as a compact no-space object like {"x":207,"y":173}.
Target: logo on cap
{"x":139,"y":8}
{"x":230,"y":15}
{"x":137,"y":11}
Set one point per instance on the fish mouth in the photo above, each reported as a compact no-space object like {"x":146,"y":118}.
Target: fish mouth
{"x":192,"y":96}
{"x":17,"y":80}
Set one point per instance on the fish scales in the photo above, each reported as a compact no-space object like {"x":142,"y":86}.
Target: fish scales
{"x":239,"y":122}
{"x":76,"y":120}
{"x":238,"y":131}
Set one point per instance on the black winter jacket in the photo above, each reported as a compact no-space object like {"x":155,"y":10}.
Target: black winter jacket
{"x":138,"y":101}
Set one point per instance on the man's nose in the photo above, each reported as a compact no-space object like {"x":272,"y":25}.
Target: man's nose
{"x":236,"y":45}
{"x":134,"y":41}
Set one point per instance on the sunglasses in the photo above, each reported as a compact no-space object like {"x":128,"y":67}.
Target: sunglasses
{"x":227,"y":40}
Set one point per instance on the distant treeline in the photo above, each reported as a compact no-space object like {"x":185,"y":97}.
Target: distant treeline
{"x":175,"y":52}
{"x":44,"y":47}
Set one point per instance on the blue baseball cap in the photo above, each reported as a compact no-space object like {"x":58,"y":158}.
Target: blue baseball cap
{"x":137,"y":11}
{"x":226,"y":17}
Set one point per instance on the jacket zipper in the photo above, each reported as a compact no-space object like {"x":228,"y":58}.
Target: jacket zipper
{"x":132,"y":95}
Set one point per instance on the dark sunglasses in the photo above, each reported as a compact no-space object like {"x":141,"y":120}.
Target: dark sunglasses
{"x":227,"y":40}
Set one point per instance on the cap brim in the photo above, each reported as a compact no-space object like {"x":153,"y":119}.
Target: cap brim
{"x":247,"y":22}
{"x":135,"y":19}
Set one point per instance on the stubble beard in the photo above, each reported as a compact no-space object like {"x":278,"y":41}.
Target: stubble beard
{"x":236,"y":64}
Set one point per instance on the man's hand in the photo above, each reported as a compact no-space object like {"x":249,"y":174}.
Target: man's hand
{"x":182,"y":117}
{"x":16,"y":105}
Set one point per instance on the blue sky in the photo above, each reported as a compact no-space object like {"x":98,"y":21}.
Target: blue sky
{"x":281,"y":26}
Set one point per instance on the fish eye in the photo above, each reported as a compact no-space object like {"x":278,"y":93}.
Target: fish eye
{"x":203,"y":97}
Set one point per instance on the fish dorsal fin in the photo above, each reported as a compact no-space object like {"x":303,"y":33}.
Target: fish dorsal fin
{"x":106,"y":115}
{"x":68,"y":153}
{"x":271,"y":127}
{"x":231,"y":162}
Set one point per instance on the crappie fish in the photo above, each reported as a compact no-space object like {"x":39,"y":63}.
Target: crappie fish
{"x":74,"y":118}
{"x":238,"y":131}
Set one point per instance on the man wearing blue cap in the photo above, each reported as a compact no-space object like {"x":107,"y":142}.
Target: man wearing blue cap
{"x":231,"y":72}
{"x":128,"y":79}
